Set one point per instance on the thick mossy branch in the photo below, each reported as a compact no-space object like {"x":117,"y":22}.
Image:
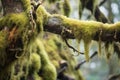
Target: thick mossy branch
{"x":83,"y":29}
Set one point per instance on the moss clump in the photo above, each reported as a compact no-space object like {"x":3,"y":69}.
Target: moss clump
{"x":35,"y":62}
{"x":3,"y":45}
{"x":19,"y":20}
{"x":35,"y":66}
{"x":47,"y":71}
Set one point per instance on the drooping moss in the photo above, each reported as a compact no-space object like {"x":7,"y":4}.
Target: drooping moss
{"x":3,"y":45}
{"x":85,"y":30}
{"x":53,"y":50}
{"x":99,"y":47}
{"x":47,"y":71}
{"x":34,"y":66}
{"x":80,"y":9}
{"x":59,"y":53}
{"x":109,"y":50}
{"x":42,"y":16}
{"x":66,"y":8}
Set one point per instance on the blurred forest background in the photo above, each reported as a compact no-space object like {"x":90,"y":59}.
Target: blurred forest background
{"x":99,"y":68}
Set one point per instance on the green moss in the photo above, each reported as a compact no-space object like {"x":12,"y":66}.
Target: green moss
{"x":109,"y":50}
{"x":66,"y":8}
{"x":85,"y":30}
{"x":48,"y":71}
{"x":59,"y":53}
{"x":19,"y":20}
{"x":27,"y":5}
{"x":99,"y":47}
{"x":3,"y":45}
{"x":80,"y":9}
{"x":35,"y":62}
{"x":37,"y":77}
{"x":42,"y":16}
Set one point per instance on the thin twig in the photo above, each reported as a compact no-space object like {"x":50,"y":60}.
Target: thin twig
{"x":72,"y":47}
{"x":101,"y":3}
{"x":79,"y":64}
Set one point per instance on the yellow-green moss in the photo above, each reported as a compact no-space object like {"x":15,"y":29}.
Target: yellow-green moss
{"x":66,"y":8}
{"x":48,"y":71}
{"x":80,"y":9}
{"x":36,"y":77}
{"x":19,"y":20}
{"x":99,"y":47}
{"x":85,"y":30}
{"x":109,"y":50}
{"x":35,"y":62}
{"x":26,"y":5}
{"x":42,"y":16}
{"x":59,"y":53}
{"x":3,"y":45}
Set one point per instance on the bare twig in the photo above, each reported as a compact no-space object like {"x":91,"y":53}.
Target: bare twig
{"x":102,"y":2}
{"x":79,"y":64}
{"x":72,"y":47}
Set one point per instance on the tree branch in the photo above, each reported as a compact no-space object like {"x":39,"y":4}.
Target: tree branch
{"x":76,"y":28}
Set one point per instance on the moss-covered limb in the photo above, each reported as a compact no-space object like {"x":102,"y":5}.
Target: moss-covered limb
{"x":82,"y":29}
{"x":86,"y":30}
